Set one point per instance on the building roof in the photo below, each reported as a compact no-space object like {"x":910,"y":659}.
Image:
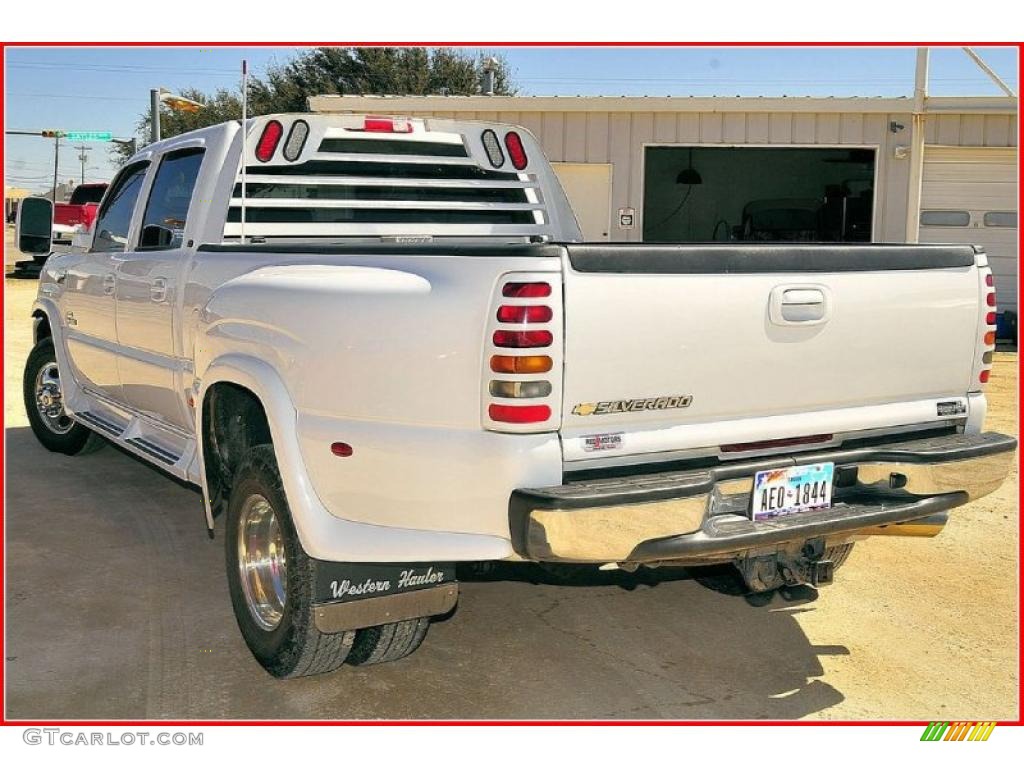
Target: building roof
{"x":863,"y":104}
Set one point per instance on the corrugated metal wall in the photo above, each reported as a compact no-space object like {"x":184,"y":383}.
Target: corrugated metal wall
{"x":619,"y":137}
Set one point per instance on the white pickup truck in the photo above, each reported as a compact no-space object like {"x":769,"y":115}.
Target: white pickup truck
{"x":379,"y":348}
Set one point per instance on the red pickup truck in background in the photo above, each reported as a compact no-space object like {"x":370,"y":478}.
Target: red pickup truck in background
{"x":81,"y":209}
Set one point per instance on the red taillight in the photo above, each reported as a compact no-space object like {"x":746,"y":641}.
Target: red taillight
{"x":539,"y":314}
{"x":386,"y":125}
{"x":516,"y":153}
{"x":518,"y":414}
{"x":989,"y":280}
{"x":526,"y":290}
{"x":269,"y":139}
{"x":990,"y":299}
{"x":990,"y":318}
{"x":522,"y":339}
{"x":983,"y":376}
{"x":343,"y":450}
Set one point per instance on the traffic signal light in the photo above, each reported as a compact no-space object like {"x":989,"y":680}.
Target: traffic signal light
{"x":52,"y":134}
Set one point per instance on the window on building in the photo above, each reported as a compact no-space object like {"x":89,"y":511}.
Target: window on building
{"x":115,"y":217}
{"x":945,"y":218}
{"x":163,"y":224}
{"x":1001,"y":219}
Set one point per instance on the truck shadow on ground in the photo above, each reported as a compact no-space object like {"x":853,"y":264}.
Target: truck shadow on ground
{"x":118,"y":608}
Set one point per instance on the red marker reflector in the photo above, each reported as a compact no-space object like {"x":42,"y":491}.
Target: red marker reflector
{"x":508,"y":314}
{"x":269,"y":139}
{"x":522,"y":339}
{"x":990,"y":318}
{"x":519,"y":414}
{"x":386,"y":125}
{"x":989,"y":280}
{"x":990,"y":299}
{"x":983,"y":378}
{"x":526,"y":290}
{"x":516,"y":153}
{"x":341,"y":449}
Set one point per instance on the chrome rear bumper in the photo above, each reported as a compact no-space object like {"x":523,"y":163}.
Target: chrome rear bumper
{"x":701,"y":515}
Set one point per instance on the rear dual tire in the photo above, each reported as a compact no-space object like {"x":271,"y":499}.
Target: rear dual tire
{"x":271,"y":581}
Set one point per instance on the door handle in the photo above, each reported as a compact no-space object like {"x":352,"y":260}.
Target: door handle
{"x":109,"y":281}
{"x":158,"y":289}
{"x":800,"y":305}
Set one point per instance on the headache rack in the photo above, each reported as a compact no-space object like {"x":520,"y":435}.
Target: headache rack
{"x":356,"y":176}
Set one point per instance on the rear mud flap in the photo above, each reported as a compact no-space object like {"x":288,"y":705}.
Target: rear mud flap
{"x":357,"y":595}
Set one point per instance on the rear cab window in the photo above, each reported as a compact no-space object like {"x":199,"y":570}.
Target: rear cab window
{"x":163,"y":224}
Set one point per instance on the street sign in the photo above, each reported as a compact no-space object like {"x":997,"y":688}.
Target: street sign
{"x":89,"y":135}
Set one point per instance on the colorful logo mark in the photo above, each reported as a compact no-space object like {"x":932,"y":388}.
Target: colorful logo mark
{"x":958,"y":731}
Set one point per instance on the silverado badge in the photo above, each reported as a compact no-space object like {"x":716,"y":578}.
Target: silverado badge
{"x":630,"y":406}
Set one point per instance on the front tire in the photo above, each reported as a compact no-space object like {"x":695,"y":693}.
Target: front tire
{"x":270,"y":577}
{"x":44,"y":404}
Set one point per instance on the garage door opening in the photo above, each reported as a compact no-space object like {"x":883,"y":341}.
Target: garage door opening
{"x":702,"y":194}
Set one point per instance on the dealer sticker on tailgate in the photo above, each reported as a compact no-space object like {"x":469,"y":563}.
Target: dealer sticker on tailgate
{"x":792,"y":489}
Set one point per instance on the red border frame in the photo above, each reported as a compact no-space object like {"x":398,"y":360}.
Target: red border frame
{"x":519,"y":44}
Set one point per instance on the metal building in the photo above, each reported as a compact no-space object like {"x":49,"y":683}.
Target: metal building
{"x":935,"y":169}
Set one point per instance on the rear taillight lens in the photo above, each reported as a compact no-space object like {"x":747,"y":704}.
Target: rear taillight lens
{"x":387,"y":125}
{"x":526,"y":290}
{"x":987,"y":332}
{"x":269,"y":140}
{"x":525,"y":351}
{"x":520,"y":363}
{"x":518,"y":414}
{"x":524,"y":314}
{"x":493,"y":148}
{"x":516,"y":152}
{"x":522,"y":339}
{"x":515,"y":389}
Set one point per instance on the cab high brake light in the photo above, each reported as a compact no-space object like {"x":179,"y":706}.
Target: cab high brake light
{"x":387,"y":125}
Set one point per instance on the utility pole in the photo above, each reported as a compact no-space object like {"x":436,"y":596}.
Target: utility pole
{"x":154,"y":115}
{"x":56,"y":162}
{"x":83,"y":156}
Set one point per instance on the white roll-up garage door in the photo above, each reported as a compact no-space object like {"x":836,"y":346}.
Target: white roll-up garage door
{"x":969,"y":195}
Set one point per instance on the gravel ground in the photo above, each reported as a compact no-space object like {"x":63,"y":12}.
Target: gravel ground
{"x":117,"y":607}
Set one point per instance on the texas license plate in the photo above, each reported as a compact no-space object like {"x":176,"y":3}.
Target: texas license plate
{"x":792,"y":489}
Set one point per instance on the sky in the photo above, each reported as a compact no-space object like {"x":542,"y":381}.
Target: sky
{"x":104,"y":89}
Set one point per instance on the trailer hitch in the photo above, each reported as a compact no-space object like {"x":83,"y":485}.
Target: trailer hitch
{"x":763,"y":573}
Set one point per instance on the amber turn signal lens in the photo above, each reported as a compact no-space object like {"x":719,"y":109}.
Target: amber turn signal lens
{"x":990,"y":338}
{"x":520,"y":363}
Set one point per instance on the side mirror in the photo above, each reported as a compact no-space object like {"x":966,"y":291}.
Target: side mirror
{"x":155,"y":237}
{"x":34,"y":228}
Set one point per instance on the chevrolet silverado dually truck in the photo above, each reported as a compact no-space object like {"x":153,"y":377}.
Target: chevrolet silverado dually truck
{"x":380,"y":348}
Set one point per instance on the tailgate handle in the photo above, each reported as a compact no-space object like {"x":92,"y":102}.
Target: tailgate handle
{"x":800,"y":305}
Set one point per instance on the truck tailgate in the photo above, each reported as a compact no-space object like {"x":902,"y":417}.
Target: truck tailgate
{"x":700,"y":348}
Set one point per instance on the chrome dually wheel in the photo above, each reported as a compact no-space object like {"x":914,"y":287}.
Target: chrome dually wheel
{"x":44,"y":392}
{"x":50,"y":400}
{"x":262,"y":562}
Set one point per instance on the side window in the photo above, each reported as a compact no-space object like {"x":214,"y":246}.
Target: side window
{"x":163,"y":224}
{"x":115,"y":216}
